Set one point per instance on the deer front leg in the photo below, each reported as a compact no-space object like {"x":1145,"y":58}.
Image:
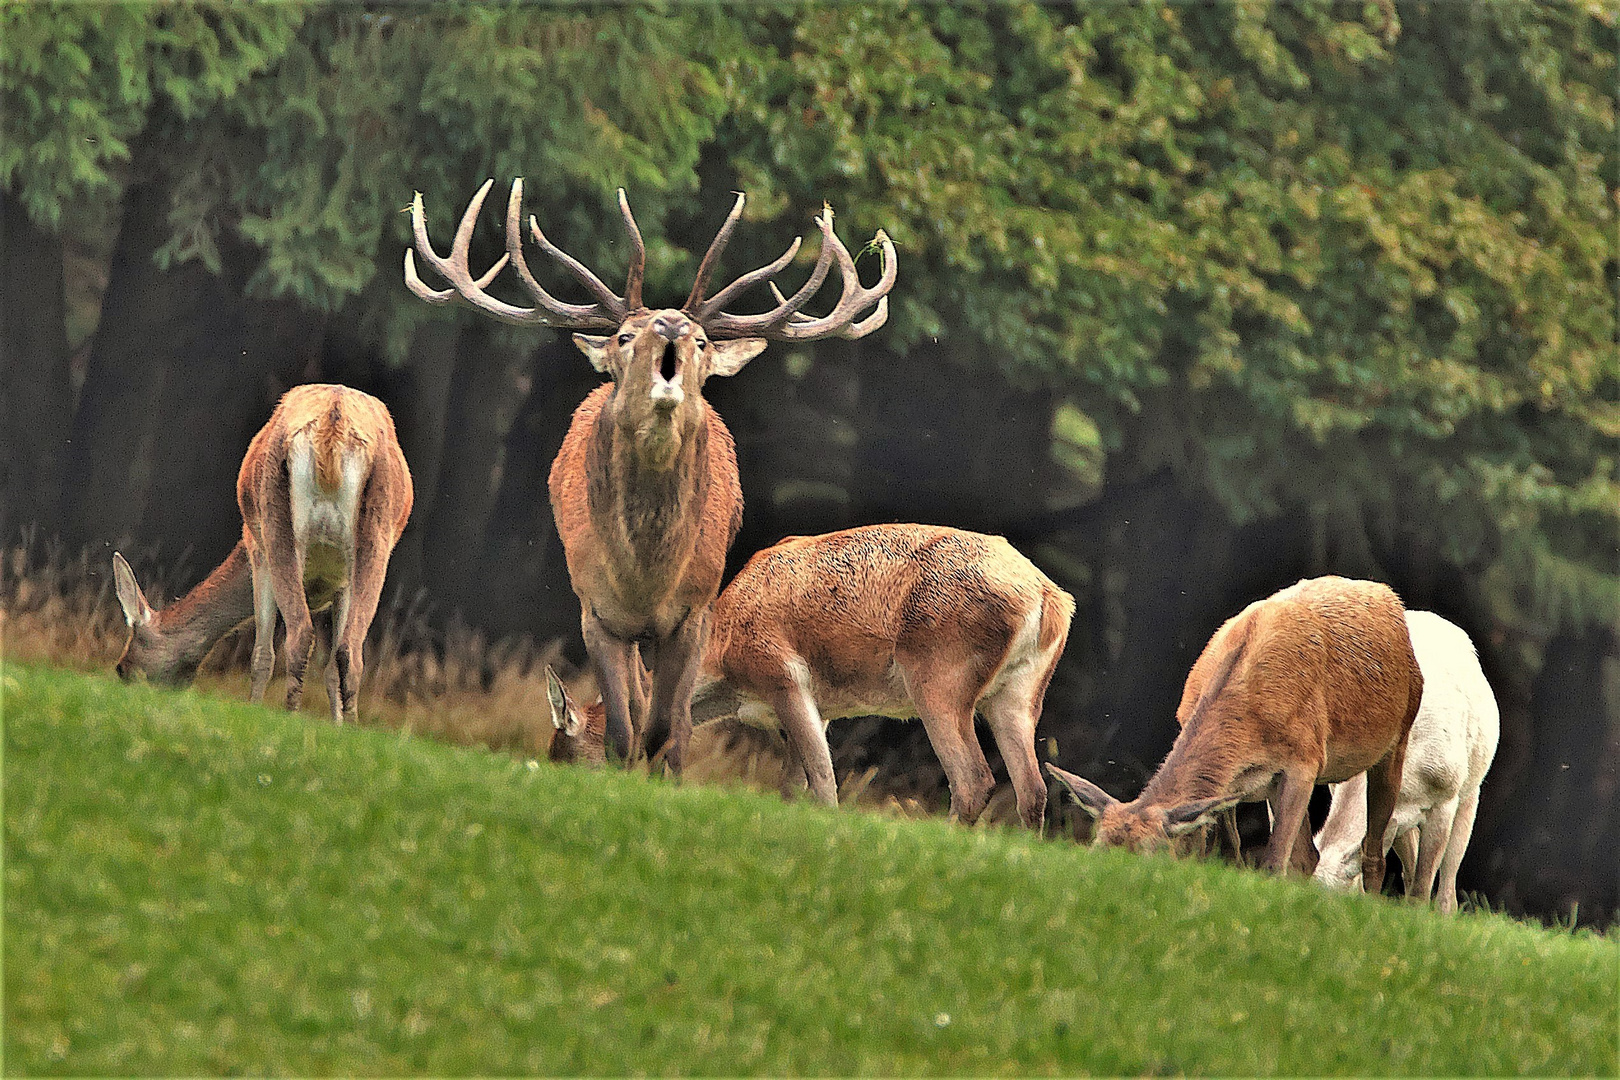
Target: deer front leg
{"x":326,"y":631}
{"x":674,"y":678}
{"x":806,"y":738}
{"x":613,"y":658}
{"x":1290,"y":817}
{"x":1383,"y":789}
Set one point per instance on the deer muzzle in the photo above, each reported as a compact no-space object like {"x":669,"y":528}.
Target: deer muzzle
{"x":666,"y":395}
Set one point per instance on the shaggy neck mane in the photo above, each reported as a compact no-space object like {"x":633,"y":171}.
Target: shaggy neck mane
{"x":650,"y":517}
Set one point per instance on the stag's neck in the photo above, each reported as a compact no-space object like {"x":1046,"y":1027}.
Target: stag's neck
{"x":646,"y":500}
{"x":217,"y":605}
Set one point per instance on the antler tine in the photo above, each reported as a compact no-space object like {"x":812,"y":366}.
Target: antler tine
{"x":854,"y":300}
{"x":606,"y":297}
{"x":879,"y":316}
{"x":767,"y":322}
{"x":454,"y":269}
{"x":784,"y":323}
{"x":638,"y":256}
{"x":556,"y":312}
{"x":700,"y":284}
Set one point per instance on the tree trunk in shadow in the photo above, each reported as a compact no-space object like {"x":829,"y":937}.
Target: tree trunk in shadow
{"x":420,"y":422}
{"x":522,"y":546}
{"x":795,"y":416}
{"x":220,"y":392}
{"x":484,"y":394}
{"x":36,"y":394}
{"x":158,"y":330}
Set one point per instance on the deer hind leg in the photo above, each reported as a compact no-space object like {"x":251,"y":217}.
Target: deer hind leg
{"x":326,"y":648}
{"x":1462,"y":829}
{"x":1434,"y":835}
{"x":352,"y":613}
{"x":1012,"y":722}
{"x":947,"y":716}
{"x":287,"y":580}
{"x":647,"y":741}
{"x":264,"y":633}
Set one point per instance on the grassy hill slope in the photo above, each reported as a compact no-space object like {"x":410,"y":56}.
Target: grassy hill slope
{"x":196,"y":886}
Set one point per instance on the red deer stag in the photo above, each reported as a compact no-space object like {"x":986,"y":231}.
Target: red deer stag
{"x":885,"y":620}
{"x":324,"y":493}
{"x":644,"y":489}
{"x":1310,"y":686}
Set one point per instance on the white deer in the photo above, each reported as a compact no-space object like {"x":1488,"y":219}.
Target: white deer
{"x":1451,"y":747}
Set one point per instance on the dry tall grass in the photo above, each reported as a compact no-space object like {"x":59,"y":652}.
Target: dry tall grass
{"x":454,"y":685}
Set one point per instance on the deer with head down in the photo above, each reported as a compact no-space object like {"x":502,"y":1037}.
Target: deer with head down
{"x":645,"y":490}
{"x":884,"y":620}
{"x":1311,"y":685}
{"x":324,"y":493}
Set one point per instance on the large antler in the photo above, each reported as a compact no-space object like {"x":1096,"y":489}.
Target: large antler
{"x":609,"y":309}
{"x":784,"y":322}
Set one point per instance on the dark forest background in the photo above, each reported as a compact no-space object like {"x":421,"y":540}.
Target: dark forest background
{"x":1194,"y":300}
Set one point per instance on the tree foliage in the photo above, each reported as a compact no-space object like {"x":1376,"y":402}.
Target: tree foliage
{"x":1354,"y":260}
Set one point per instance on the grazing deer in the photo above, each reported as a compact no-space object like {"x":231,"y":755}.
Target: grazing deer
{"x":644,"y":489}
{"x":1452,"y":744}
{"x":1312,"y":685}
{"x":324,"y":493}
{"x":885,"y":620}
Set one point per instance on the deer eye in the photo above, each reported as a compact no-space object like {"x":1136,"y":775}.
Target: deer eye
{"x":625,"y":339}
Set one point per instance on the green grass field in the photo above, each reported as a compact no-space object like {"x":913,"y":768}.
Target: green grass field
{"x":194,"y":886}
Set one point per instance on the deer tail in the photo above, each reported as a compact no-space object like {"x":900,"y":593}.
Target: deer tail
{"x":327,"y":440}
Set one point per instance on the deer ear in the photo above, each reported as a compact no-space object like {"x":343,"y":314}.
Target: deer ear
{"x":1183,"y":819}
{"x":137,"y":612}
{"x":596,"y":350}
{"x":730,"y":356}
{"x":1092,"y":799}
{"x":564,"y":716}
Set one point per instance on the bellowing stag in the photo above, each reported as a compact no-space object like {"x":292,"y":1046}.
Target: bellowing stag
{"x":645,"y":489}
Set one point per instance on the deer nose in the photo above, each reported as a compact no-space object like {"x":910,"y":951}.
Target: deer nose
{"x":670,"y":325}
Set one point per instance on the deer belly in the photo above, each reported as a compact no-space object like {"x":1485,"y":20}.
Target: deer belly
{"x":882,"y":694}
{"x":326,"y":571}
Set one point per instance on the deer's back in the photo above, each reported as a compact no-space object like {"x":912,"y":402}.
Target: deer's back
{"x":1327,"y":661}
{"x":853,"y":605}
{"x":354,"y":461}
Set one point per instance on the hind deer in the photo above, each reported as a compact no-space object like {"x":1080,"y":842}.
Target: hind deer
{"x":1311,"y":685}
{"x":324,"y":493}
{"x":645,"y":490}
{"x":902,"y":621}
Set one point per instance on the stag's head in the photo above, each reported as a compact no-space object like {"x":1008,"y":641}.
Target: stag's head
{"x":148,"y":652}
{"x":1139,"y":825}
{"x":658,"y":358}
